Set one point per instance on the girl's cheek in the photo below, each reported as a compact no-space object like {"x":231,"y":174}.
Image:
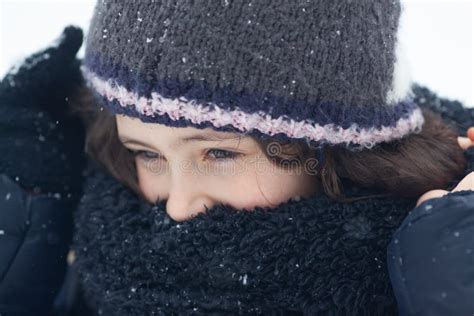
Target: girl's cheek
{"x":147,"y":183}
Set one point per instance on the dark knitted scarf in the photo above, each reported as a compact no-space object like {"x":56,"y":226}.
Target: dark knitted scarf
{"x":308,"y":257}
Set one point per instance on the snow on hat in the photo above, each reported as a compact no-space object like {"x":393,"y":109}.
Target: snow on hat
{"x":326,"y":71}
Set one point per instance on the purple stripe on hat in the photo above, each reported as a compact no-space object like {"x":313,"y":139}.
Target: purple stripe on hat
{"x":184,"y":112}
{"x":323,"y":113}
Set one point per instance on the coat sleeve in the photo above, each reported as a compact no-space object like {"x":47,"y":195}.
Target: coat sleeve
{"x":430,"y":258}
{"x":35,"y":233}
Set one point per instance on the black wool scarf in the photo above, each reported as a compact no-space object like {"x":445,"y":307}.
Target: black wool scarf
{"x":309,"y":257}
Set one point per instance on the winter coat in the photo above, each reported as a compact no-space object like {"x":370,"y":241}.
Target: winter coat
{"x":35,"y":233}
{"x":379,"y":256}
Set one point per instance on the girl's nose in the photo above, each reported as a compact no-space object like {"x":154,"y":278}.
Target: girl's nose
{"x":186,"y":198}
{"x":181,"y":208}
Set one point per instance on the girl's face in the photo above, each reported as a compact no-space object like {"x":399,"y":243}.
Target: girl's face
{"x":196,"y":168}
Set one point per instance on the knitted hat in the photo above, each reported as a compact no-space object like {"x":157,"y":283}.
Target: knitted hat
{"x":326,"y":71}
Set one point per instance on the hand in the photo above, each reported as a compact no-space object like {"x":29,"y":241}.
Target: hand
{"x":41,"y":143}
{"x":467,"y":142}
{"x":465,"y":184}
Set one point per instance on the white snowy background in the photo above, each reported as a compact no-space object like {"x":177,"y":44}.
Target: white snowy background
{"x":438,"y":36}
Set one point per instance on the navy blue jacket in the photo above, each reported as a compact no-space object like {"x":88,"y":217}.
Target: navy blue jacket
{"x":35,"y":232}
{"x":431,"y":257}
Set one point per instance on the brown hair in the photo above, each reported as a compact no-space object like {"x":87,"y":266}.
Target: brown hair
{"x":408,"y":167}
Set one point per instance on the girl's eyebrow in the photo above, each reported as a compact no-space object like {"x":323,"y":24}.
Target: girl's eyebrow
{"x":187,"y":139}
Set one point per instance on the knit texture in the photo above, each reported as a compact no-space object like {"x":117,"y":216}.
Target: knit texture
{"x":323,"y":71}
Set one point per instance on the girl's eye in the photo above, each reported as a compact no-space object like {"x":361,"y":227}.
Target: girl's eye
{"x":220,"y":154}
{"x":214,"y":153}
{"x":144,"y":154}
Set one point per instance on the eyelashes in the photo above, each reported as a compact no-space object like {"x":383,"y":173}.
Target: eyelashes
{"x":145,"y":154}
{"x":227,"y":154}
{"x":213,"y":154}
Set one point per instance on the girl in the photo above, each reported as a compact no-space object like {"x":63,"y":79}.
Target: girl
{"x":244,"y":163}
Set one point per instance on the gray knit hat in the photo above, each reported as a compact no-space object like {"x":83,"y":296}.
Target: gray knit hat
{"x":326,"y":71}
